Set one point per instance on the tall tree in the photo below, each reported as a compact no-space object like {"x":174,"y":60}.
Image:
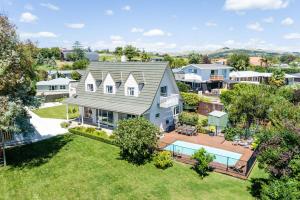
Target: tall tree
{"x":145,"y":56}
{"x":205,"y":59}
{"x":78,"y":50}
{"x":195,"y":58}
{"x":17,"y":77}
{"x":130,"y":52}
{"x":118,"y":51}
{"x":277,"y":79}
{"x":239,"y":62}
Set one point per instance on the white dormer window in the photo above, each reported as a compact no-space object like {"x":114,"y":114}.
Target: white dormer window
{"x":109,"y":89}
{"x":130,"y":91}
{"x":90,"y":87}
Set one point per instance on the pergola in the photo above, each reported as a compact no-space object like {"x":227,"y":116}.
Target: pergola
{"x":218,"y":119}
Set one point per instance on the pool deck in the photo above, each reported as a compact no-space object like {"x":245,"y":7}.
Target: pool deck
{"x":211,"y":141}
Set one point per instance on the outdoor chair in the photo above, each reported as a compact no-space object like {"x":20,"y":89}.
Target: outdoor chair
{"x":239,"y":168}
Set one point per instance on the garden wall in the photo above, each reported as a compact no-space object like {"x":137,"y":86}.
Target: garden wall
{"x":204,"y":107}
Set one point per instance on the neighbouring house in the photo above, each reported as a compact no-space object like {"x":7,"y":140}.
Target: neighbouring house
{"x":54,"y":86}
{"x":110,"y":92}
{"x":203,"y":77}
{"x":256,"y":77}
{"x":91,"y":56}
{"x":53,"y":74}
{"x":297,"y":78}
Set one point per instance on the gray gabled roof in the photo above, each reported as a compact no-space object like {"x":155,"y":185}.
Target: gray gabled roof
{"x":57,"y":81}
{"x":153,"y":73}
{"x":210,"y":66}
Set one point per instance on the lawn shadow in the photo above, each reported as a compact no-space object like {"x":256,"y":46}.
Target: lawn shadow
{"x":256,"y":186}
{"x":36,"y":154}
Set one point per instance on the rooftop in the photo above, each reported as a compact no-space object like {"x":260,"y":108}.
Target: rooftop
{"x":210,"y":66}
{"x":57,"y":81}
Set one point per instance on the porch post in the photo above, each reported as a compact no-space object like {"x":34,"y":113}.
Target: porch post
{"x":82,"y":111}
{"x":67,"y":112}
{"x":3,"y":142}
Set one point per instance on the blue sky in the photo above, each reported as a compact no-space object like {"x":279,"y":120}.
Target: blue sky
{"x":159,"y":25}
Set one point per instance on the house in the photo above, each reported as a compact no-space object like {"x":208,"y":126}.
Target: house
{"x":53,"y":74}
{"x":91,"y":56}
{"x":54,"y":86}
{"x":297,"y":78}
{"x":256,"y":77}
{"x":110,"y":92}
{"x":203,"y":77}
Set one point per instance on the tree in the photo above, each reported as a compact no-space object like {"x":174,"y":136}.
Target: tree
{"x":145,"y":56}
{"x":39,"y":59}
{"x":118,"y":51}
{"x":205,"y":60}
{"x":137,"y":138}
{"x":277,"y":79}
{"x":202,"y":161}
{"x":178,"y":62}
{"x":78,"y":50}
{"x":183,"y":87}
{"x":81,"y":64}
{"x":75,"y":75}
{"x":130,"y":52}
{"x":287,"y":58}
{"x":17,"y":77}
{"x":239,"y":62}
{"x":195,"y":58}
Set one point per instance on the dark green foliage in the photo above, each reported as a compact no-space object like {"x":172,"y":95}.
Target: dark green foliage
{"x":175,"y":62}
{"x":145,"y":57}
{"x":195,"y":58}
{"x":163,"y":160}
{"x":277,"y":79}
{"x":42,"y":75}
{"x":203,"y":159}
{"x":231,"y":132}
{"x":137,"y":139}
{"x":188,"y":118}
{"x":75,"y":75}
{"x":205,"y":60}
{"x":183,"y":87}
{"x":287,"y":58}
{"x":81,"y":64}
{"x":130,"y":52}
{"x":78,"y":51}
{"x":118,"y":51}
{"x":190,"y":99}
{"x":239,"y":62}
{"x":50,"y":52}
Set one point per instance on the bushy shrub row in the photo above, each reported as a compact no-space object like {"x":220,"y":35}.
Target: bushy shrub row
{"x":93,"y":133}
{"x":231,"y":132}
{"x":188,"y":118}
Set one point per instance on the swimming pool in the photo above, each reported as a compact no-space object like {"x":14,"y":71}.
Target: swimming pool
{"x":221,"y":156}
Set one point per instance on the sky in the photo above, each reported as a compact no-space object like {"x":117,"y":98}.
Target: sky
{"x":159,"y":25}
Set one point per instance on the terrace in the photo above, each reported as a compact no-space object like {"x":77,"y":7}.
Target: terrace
{"x":239,"y":168}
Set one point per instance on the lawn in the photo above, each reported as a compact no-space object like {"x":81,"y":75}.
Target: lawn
{"x":58,"y":112}
{"x":75,"y":167}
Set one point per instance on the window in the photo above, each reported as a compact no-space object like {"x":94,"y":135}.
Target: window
{"x":163,"y":91}
{"x":62,"y":87}
{"x":52,"y":87}
{"x":176,"y":110}
{"x":157,"y":115}
{"x":213,"y":72}
{"x":193,"y":71}
{"x":130,"y":91}
{"x":109,"y":89}
{"x":90,"y":87}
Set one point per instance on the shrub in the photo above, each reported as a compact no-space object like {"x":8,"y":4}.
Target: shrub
{"x":137,"y":138}
{"x":203,"y":159}
{"x":188,"y":118}
{"x":64,"y":124}
{"x":190,"y":99}
{"x":163,"y":160}
{"x":230,"y":133}
{"x":204,"y":122}
{"x":80,"y":64}
{"x":183,"y":87}
{"x":281,"y":189}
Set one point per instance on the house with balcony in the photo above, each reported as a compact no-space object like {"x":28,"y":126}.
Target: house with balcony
{"x":109,"y":92}
{"x":203,"y":77}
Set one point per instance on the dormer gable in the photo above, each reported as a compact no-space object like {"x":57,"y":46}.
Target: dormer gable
{"x":90,"y":83}
{"x":109,"y":85}
{"x":131,"y":86}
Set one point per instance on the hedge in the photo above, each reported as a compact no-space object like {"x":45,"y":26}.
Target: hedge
{"x":92,"y":136}
{"x":188,"y":118}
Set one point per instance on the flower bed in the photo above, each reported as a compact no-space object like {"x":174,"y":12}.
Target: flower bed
{"x":93,"y":134}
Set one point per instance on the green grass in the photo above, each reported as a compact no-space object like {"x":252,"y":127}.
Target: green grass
{"x":75,"y":167}
{"x":57,"y":112}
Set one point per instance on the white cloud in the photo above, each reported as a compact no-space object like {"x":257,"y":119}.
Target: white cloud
{"x":75,"y":25}
{"x":255,"y":27}
{"x":116,"y":37}
{"x":210,"y":24}
{"x":28,"y":17}
{"x":154,"y":32}
{"x":238,"y":5}
{"x":44,"y":34}
{"x":50,"y":6}
{"x":268,"y":20}
{"x":137,"y":30}
{"x":287,"y":21}
{"x":292,"y":36}
{"x":109,"y":12}
{"x":28,"y":7}
{"x":126,"y":8}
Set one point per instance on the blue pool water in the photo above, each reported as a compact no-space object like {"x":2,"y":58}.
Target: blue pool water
{"x":221,"y":156}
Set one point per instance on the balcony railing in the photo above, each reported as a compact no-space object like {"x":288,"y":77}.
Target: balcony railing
{"x":216,"y":77}
{"x":169,"y":101}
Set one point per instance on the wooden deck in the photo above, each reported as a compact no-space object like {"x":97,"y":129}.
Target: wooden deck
{"x":217,"y":142}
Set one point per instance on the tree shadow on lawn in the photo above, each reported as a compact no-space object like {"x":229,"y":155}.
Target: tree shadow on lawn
{"x":36,"y":154}
{"x":256,"y":186}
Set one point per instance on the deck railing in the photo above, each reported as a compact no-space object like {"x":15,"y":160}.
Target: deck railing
{"x":169,"y":101}
{"x":216,"y":77}
{"x":223,"y":164}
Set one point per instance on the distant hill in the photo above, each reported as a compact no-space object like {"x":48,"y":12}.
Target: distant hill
{"x":225,"y":52}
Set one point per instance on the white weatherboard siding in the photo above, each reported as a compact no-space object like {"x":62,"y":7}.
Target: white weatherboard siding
{"x":164,"y":113}
{"x":109,"y":81}
{"x":90,"y":80}
{"x":131,"y":82}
